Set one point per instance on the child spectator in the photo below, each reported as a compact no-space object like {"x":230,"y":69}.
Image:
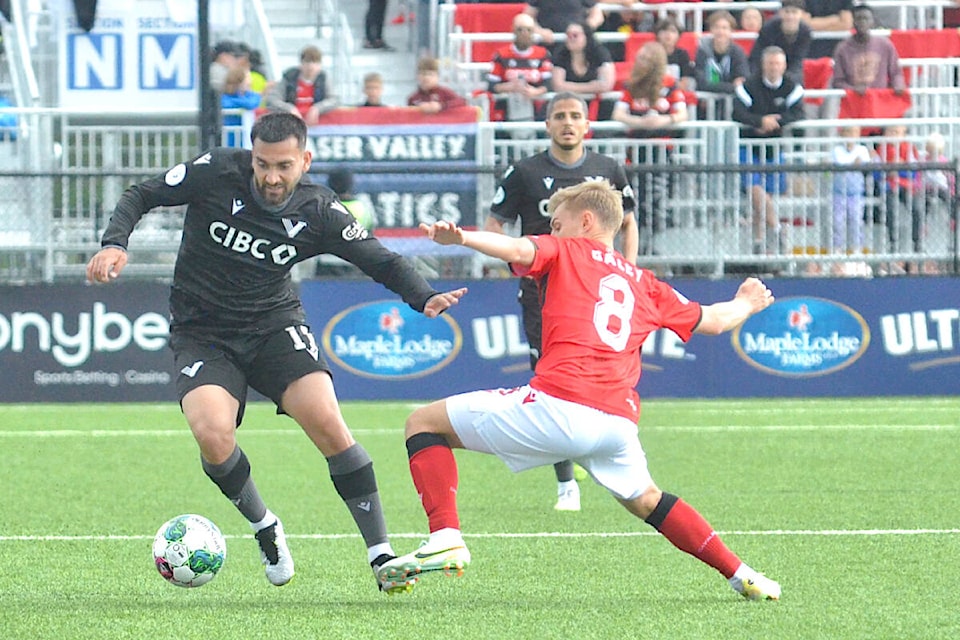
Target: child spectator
{"x":431,"y":97}
{"x":238,"y":95}
{"x":848,"y":193}
{"x":373,"y":90}
{"x":303,"y":90}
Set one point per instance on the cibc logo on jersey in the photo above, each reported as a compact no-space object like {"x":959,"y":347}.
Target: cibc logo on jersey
{"x":390,"y":341}
{"x":244,"y":242}
{"x":803,"y":337}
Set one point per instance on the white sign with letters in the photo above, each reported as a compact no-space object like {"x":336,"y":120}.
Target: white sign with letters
{"x":136,"y":56}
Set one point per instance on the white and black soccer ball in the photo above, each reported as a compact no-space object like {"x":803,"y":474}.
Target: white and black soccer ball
{"x":189,"y":550}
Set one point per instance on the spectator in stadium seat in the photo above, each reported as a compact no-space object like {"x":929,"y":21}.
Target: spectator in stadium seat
{"x":679,"y":65}
{"x":751,"y":20}
{"x":553,"y":16}
{"x":226,"y":54}
{"x":373,"y":90}
{"x":303,"y":90}
{"x":651,"y":104}
{"x":237,"y":94}
{"x":582,"y":65}
{"x":721,"y":63}
{"x":432,"y":97}
{"x":767,"y":102}
{"x":521,"y":72}
{"x":827,"y":15}
{"x":866,"y":61}
{"x":788,"y":32}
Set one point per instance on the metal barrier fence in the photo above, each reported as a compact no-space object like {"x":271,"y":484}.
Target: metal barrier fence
{"x":703,"y":207}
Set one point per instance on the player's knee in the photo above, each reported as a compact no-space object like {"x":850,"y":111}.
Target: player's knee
{"x":429,"y":419}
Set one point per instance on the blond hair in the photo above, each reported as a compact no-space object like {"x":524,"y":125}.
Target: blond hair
{"x":597,"y":196}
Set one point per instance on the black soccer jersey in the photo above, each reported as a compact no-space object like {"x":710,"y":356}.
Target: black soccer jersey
{"x":233,"y":266}
{"x":527,"y":186}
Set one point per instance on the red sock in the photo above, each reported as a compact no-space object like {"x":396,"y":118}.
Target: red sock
{"x":686,"y":529}
{"x":434,"y":472}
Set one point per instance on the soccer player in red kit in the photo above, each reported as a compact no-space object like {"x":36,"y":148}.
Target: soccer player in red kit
{"x":581,"y":403}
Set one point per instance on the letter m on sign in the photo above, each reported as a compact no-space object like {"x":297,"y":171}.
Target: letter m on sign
{"x":94,"y":61}
{"x":166,"y":61}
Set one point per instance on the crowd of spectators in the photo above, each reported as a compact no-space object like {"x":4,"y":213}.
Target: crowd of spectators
{"x":749,"y":66}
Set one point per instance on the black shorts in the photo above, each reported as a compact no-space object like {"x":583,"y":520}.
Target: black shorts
{"x":267,"y":363}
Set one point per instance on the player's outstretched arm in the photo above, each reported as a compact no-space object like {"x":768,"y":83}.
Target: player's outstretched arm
{"x":519,"y":251}
{"x":752,"y":297}
{"x":106,"y":264}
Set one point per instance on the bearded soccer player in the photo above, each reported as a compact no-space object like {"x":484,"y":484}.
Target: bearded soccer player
{"x":523,"y":195}
{"x":581,"y":404}
{"x":237,"y":321}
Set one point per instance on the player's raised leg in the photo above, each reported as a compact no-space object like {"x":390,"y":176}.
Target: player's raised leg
{"x":687,"y":530}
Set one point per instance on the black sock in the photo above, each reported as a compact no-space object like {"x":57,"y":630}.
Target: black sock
{"x":353,"y":478}
{"x":564,"y":470}
{"x":234,"y":479}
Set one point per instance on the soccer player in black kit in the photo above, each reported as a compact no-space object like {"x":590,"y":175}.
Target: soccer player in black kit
{"x":523,"y":193}
{"x":237,"y":321}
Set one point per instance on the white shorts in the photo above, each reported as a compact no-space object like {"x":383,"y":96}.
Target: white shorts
{"x":527,"y":428}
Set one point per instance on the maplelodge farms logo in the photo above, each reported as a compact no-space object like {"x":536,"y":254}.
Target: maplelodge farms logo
{"x":803,"y":337}
{"x":389,"y":340}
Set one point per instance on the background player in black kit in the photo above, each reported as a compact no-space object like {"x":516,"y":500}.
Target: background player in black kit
{"x":237,"y":321}
{"x":523,"y":193}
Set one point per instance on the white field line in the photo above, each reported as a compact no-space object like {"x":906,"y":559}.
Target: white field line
{"x":700,"y":428}
{"x":540,"y":534}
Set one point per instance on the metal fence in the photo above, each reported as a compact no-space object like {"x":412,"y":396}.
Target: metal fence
{"x":703,"y":200}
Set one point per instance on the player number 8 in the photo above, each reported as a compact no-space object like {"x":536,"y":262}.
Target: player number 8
{"x":612,"y":313}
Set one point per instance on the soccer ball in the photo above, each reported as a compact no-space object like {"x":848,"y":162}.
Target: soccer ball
{"x":189,"y":550}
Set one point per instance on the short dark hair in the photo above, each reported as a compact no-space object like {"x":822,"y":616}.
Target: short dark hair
{"x":862,"y":7}
{"x":277,"y":126}
{"x":796,"y":4}
{"x":565,"y":95}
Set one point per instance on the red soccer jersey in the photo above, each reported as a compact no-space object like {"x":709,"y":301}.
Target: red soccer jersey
{"x":598,"y":310}
{"x":672,"y":100}
{"x":304,"y":96}
{"x":533,"y":65}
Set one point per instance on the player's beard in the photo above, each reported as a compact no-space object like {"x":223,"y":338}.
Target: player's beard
{"x":273,"y":197}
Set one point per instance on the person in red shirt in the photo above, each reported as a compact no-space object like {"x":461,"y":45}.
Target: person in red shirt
{"x":521,"y":73}
{"x":581,"y":403}
{"x":430,"y":96}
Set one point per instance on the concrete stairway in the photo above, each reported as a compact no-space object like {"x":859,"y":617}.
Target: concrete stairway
{"x":296,"y":23}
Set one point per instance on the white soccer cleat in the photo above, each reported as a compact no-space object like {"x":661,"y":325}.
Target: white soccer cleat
{"x":568,"y":499}
{"x":397,"y":582}
{"x":450,"y":559}
{"x":275,"y":554}
{"x":760,"y":587}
